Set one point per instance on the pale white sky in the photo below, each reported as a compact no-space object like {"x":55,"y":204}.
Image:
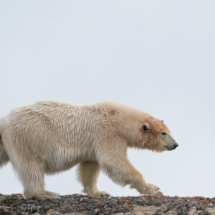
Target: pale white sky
{"x":154,"y":55}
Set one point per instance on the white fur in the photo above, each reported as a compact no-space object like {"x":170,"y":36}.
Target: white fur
{"x":49,"y":137}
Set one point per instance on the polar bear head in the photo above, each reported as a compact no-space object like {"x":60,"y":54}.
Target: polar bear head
{"x":156,"y":135}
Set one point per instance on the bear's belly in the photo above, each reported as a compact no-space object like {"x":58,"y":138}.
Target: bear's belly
{"x":64,"y":159}
{"x":56,"y":167}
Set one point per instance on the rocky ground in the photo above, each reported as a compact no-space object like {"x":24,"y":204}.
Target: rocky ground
{"x":81,"y":204}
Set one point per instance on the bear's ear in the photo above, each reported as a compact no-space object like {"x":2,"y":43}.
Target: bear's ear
{"x":145,"y":127}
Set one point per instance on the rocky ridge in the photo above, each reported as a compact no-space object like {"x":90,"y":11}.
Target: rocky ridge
{"x":82,"y":204}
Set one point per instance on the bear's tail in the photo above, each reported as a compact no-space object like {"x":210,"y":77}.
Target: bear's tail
{"x":3,"y":156}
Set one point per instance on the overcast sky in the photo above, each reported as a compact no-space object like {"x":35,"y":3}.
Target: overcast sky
{"x":154,"y":55}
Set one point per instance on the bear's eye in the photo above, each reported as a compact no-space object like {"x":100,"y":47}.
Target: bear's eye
{"x":145,"y":127}
{"x":163,"y":133}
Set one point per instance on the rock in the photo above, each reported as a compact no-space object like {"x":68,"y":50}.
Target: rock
{"x":211,"y":205}
{"x":194,"y":203}
{"x":82,"y":204}
{"x":159,"y":193}
{"x":96,"y":211}
{"x":192,"y":211}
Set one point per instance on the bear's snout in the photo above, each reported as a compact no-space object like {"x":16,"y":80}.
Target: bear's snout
{"x":171,"y":147}
{"x":175,"y":145}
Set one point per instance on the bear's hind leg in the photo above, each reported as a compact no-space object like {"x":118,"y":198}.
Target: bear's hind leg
{"x":88,"y":173}
{"x":31,"y":175}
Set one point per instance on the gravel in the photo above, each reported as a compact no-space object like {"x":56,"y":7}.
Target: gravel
{"x":82,"y":204}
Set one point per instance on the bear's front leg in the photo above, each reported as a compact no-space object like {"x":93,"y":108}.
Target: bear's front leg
{"x":142,"y":186}
{"x":113,"y":160}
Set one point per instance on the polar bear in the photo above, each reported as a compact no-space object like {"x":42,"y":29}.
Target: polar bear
{"x":50,"y":136}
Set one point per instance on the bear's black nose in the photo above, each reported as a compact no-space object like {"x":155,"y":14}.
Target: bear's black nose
{"x":175,"y":145}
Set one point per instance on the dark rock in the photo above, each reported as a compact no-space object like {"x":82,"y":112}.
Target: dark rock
{"x":15,"y":204}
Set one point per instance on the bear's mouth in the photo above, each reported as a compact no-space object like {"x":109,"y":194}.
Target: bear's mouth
{"x":174,"y":146}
